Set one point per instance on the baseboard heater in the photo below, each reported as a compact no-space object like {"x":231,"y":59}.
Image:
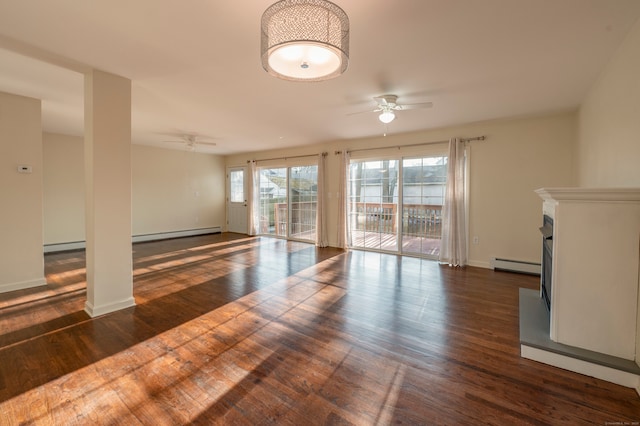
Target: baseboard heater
{"x":509,"y":265}
{"x":76,"y":245}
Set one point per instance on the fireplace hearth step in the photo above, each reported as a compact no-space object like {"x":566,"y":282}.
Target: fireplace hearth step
{"x":536,"y":344}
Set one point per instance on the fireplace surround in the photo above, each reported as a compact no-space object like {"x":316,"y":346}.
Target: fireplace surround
{"x":591,"y":323}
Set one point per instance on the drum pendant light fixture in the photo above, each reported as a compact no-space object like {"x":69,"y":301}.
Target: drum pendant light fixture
{"x":305,"y":40}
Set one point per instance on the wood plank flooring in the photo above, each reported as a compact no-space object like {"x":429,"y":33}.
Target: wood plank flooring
{"x":255,"y":331}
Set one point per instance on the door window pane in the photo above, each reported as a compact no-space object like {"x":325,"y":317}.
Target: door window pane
{"x":236,"y":182}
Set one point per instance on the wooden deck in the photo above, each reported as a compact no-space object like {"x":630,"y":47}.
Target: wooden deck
{"x":234,"y":330}
{"x":428,"y":247}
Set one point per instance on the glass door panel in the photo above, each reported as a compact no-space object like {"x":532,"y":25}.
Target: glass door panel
{"x":273,"y":201}
{"x":373,"y":205}
{"x":423,"y":186}
{"x":303,"y":198}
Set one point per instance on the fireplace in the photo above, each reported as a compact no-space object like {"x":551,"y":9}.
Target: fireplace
{"x":547,"y":260}
{"x":586,"y":320}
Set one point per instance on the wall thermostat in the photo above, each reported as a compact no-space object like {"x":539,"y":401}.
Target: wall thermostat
{"x":23,"y":168}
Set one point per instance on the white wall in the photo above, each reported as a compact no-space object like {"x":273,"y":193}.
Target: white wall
{"x":176,"y":190}
{"x":608,"y":148}
{"x":518,"y":156}
{"x":63,"y":188}
{"x":21,"y":259}
{"x":164,"y":187}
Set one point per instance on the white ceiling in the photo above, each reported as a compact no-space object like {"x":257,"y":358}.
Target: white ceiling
{"x":195,"y":64}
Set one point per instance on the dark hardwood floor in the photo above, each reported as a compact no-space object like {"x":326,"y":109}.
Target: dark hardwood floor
{"x":255,"y":331}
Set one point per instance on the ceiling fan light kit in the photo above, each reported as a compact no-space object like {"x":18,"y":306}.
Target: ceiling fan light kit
{"x":386,"y":117}
{"x":305,"y":40}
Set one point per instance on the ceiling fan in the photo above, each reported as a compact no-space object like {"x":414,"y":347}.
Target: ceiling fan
{"x":388,"y":105}
{"x":191,"y":141}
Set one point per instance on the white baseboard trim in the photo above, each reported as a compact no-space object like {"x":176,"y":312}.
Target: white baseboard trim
{"x":95,"y":311}
{"x":176,"y":234}
{"x":522,"y":267}
{"x":510,"y":265}
{"x":4,"y":288}
{"x":619,"y":377}
{"x":52,"y":248}
{"x":77,"y":245}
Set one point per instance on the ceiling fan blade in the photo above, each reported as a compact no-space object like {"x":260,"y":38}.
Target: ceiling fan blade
{"x":386,"y":100}
{"x":206,"y":143}
{"x":177,"y":135}
{"x":188,"y":136}
{"x":365,"y":112}
{"x":381,"y":100}
{"x":416,"y":106}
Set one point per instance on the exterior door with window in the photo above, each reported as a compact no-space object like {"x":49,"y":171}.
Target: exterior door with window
{"x":237,"y":211}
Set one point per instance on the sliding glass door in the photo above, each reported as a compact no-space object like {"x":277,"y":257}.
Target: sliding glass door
{"x":288,"y":202}
{"x":395,"y":205}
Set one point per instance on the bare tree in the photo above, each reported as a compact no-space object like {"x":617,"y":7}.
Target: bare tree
{"x":389,"y":180}
{"x":359,"y":181}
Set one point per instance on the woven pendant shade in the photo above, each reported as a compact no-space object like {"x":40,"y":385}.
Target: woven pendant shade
{"x":305,"y":40}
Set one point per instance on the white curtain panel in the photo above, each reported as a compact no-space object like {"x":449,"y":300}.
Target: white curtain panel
{"x":453,"y":247}
{"x":321,"y":216}
{"x":254,"y":198}
{"x":343,"y":232}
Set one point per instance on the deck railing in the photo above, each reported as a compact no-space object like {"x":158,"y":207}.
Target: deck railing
{"x":374,"y":217}
{"x":303,"y":219}
{"x":420,"y":220}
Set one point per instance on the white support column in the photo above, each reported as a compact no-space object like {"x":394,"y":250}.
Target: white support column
{"x":108,"y":193}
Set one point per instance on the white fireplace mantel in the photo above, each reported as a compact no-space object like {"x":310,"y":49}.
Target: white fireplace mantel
{"x":596,"y":240}
{"x":590,"y":194}
{"x":595,"y":269}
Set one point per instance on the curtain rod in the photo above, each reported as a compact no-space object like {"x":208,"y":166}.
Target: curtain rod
{"x":476,"y":138}
{"x":324,"y":154}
